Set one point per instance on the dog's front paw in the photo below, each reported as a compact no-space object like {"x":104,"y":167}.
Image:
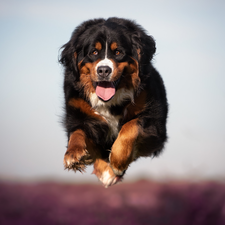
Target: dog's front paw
{"x":119,"y":163}
{"x":105,"y":173}
{"x":75,"y":159}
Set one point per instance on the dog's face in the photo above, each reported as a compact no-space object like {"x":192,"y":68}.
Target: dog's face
{"x":106,"y":65}
{"x":107,"y":57}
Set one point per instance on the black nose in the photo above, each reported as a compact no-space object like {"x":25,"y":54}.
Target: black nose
{"x":104,"y":71}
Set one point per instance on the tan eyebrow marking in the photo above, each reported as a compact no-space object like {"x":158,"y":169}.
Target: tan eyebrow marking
{"x":114,"y":46}
{"x":98,"y":46}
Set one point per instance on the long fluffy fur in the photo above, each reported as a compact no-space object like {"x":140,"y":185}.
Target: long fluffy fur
{"x":140,"y":102}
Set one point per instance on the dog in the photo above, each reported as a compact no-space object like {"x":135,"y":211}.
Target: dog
{"x":115,"y":100}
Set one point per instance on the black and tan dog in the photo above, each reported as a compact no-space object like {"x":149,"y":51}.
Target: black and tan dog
{"x":115,"y":100}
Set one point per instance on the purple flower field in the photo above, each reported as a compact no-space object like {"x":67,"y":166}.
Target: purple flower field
{"x":143,"y":202}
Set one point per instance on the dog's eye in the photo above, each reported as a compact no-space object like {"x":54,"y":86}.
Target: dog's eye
{"x":117,"y":52}
{"x":95,"y":52}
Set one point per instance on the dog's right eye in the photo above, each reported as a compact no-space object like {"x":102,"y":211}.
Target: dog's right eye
{"x":95,"y":52}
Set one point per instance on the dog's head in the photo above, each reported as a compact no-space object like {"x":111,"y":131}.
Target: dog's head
{"x":105,"y":57}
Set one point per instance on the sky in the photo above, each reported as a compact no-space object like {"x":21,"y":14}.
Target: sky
{"x":190,"y":57}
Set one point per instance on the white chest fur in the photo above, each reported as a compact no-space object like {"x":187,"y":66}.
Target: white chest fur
{"x":102,"y":108}
{"x":113,"y":121}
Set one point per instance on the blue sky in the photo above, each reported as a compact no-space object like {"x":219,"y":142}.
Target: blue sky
{"x":190,"y":57}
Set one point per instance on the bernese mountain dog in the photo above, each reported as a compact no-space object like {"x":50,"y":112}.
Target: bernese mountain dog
{"x":115,"y":100}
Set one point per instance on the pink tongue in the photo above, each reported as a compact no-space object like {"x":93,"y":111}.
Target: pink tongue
{"x":105,"y":90}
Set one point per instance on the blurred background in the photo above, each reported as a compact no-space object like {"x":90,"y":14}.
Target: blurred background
{"x":190,"y":57}
{"x":185,"y":185}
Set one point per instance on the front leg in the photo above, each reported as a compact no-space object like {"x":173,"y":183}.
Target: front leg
{"x":82,"y":148}
{"x":77,"y":156}
{"x":123,"y":150}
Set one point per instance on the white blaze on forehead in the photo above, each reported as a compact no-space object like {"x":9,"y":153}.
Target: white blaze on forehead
{"x":105,"y":61}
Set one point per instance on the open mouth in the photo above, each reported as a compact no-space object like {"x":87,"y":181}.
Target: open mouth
{"x":106,"y":90}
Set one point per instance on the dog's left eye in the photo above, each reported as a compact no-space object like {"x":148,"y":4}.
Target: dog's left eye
{"x":117,"y":52}
{"x":95,"y":52}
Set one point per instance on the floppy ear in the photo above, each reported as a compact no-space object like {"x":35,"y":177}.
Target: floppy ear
{"x":144,"y":46}
{"x":72,"y":49}
{"x":149,"y":47}
{"x":69,"y":57}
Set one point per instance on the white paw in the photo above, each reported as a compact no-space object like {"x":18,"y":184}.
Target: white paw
{"x":109,"y":179}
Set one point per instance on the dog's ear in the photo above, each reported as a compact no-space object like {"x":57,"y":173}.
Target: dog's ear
{"x":144,"y":46}
{"x":149,"y":48}
{"x":68,"y":57}
{"x":72,"y":51}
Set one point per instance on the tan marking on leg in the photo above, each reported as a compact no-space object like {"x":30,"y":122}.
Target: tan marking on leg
{"x":81,"y":151}
{"x":76,"y":152}
{"x":123,"y":149}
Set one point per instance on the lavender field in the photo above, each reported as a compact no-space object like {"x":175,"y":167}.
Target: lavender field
{"x":142,"y":202}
